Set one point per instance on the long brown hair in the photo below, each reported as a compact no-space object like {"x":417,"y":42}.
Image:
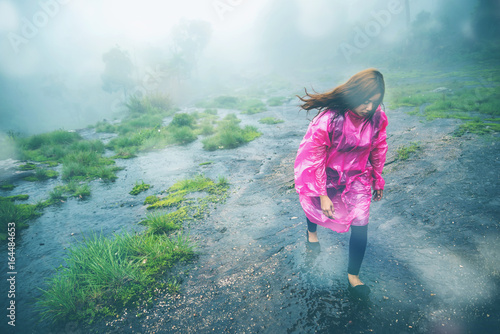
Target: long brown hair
{"x":348,"y":96}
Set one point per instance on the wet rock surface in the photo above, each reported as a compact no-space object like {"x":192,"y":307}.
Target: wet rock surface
{"x":431,"y":260}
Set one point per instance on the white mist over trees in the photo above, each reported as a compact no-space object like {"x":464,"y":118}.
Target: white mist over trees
{"x":68,"y":64}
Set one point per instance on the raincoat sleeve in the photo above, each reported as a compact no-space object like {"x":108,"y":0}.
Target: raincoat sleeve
{"x":378,"y":152}
{"x":310,"y":164}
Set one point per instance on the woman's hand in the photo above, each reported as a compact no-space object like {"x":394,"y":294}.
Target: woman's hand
{"x":377,"y":194}
{"x":327,"y":206}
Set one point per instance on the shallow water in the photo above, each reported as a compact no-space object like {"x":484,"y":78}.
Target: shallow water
{"x":431,"y":257}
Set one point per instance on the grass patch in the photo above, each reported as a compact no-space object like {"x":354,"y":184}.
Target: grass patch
{"x":7,"y":187}
{"x":142,"y":129}
{"x":180,"y":131}
{"x":71,"y":189}
{"x":162,"y":222}
{"x":20,"y":214}
{"x":139,"y":188}
{"x":472,"y":92}
{"x":229,"y":135}
{"x":270,"y":120}
{"x":88,"y":165}
{"x":167,"y":202}
{"x":205,"y":163}
{"x":27,"y":166}
{"x":15,"y":198}
{"x":480,"y":128}
{"x":81,"y":159}
{"x":42,"y":174}
{"x":151,"y":199}
{"x":404,"y":152}
{"x":105,"y":275}
{"x":252,"y":106}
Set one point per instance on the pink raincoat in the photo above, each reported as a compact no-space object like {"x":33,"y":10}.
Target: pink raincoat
{"x":343,"y":160}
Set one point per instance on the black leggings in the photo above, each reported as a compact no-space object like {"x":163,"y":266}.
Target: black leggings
{"x":357,"y":246}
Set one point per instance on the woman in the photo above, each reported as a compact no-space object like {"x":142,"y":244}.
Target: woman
{"x":340,"y":160}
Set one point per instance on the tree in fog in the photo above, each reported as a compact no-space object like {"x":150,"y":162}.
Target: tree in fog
{"x":190,"y":37}
{"x":118,"y":71}
{"x":486,"y":19}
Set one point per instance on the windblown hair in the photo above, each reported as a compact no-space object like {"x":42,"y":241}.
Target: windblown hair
{"x":348,"y":96}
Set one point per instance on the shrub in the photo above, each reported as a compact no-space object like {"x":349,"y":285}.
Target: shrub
{"x":183,"y":135}
{"x":229,"y":135}
{"x":183,"y":119}
{"x":270,"y":120}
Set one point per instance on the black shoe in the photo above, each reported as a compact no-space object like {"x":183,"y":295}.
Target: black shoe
{"x":312,"y":246}
{"x":361,"y":291}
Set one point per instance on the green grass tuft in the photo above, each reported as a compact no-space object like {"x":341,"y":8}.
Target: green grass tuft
{"x":7,"y":187}
{"x":270,"y":120}
{"x":42,"y":175}
{"x":139,"y":188}
{"x":105,"y":275}
{"x":480,"y":128}
{"x":229,"y":135}
{"x":165,"y":223}
{"x":404,"y":152}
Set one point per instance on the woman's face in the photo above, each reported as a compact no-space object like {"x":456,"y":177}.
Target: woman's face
{"x":367,"y":106}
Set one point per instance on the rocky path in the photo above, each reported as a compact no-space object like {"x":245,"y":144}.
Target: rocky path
{"x":431,"y":259}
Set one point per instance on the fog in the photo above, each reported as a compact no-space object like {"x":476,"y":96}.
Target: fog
{"x":51,"y":51}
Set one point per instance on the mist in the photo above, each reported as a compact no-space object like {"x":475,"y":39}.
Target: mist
{"x":179,"y":121}
{"x":52,"y":51}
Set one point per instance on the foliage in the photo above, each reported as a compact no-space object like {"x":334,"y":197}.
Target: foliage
{"x":75,"y":189}
{"x":167,"y":202}
{"x":252,"y":106}
{"x":404,"y":152}
{"x":118,"y":70}
{"x":7,"y":186}
{"x":270,"y":120}
{"x":104,"y":275}
{"x":152,"y":104}
{"x":473,"y":94}
{"x":162,"y":222}
{"x":42,"y":175}
{"x":88,"y":165}
{"x":27,"y":166}
{"x":205,"y":163}
{"x":139,"y":187}
{"x":476,"y":127}
{"x":229,"y":135}
{"x":20,"y":214}
{"x":190,"y":37}
{"x":183,"y":119}
{"x":183,"y":135}
{"x":14,"y":198}
{"x":151,"y":199}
